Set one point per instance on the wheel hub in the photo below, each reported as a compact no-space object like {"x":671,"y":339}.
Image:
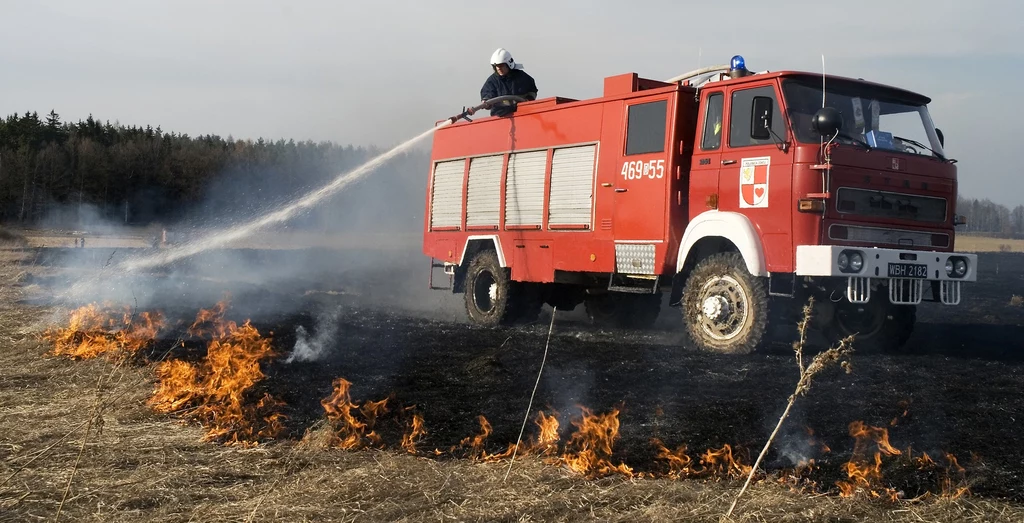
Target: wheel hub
{"x":724,"y":308}
{"x":716,"y":308}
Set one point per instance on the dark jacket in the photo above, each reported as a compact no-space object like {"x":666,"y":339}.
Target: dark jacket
{"x":516,"y":82}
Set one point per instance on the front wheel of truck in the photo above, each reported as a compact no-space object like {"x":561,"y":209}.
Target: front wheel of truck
{"x":725,"y":308}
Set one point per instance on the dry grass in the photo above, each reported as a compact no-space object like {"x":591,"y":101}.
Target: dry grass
{"x":10,"y":238}
{"x":985,"y":244}
{"x":137,"y":466}
{"x":1017,"y":300}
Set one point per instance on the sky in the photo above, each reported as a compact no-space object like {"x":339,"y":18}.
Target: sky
{"x":376,"y":73}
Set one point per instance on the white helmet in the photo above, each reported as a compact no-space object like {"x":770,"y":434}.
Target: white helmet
{"x":501,"y":56}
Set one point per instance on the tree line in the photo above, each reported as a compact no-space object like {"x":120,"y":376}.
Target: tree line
{"x":53,"y":172}
{"x":987,"y":217}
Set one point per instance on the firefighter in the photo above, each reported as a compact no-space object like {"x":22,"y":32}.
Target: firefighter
{"x":508,"y":78}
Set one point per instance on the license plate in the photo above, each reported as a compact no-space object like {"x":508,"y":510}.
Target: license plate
{"x":908,"y":270}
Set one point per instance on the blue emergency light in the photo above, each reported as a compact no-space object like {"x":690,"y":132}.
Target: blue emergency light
{"x":737,"y":63}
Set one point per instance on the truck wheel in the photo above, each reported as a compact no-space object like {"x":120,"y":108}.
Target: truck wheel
{"x":488,"y":291}
{"x":725,"y":308}
{"x":602,"y":309}
{"x":877,"y":324}
{"x":640,"y":311}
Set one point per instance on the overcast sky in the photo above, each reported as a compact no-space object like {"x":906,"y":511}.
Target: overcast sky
{"x":376,"y":73}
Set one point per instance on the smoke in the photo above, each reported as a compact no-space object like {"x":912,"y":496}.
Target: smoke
{"x":284,"y":238}
{"x":312,"y":348}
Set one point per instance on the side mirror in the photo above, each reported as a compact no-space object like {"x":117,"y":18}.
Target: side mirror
{"x":827,"y":121}
{"x":942,"y":139}
{"x":761,"y":118}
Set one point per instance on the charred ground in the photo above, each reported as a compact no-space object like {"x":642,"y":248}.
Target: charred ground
{"x":956,"y":390}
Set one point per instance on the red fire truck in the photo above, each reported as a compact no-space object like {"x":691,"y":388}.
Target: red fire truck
{"x":737,"y":194}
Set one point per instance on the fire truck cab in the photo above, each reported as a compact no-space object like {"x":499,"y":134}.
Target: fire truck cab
{"x":735,"y":195}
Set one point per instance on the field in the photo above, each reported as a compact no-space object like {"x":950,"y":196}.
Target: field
{"x":984,"y":244}
{"x":647,"y":429}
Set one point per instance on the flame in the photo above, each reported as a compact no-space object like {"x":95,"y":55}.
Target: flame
{"x":863,"y":472}
{"x":209,"y":323}
{"x":414,"y":434}
{"x":680,"y":464}
{"x":348,"y":431}
{"x":949,"y":488}
{"x":215,"y":391}
{"x":95,"y":331}
{"x":721,"y":463}
{"x":547,"y":438}
{"x":593,"y":442}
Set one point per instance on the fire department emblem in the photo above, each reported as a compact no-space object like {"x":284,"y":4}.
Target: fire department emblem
{"x":754,"y":182}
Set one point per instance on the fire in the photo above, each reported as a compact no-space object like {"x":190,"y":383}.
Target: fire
{"x":593,"y":441}
{"x":863,"y":472}
{"x":348,"y":431}
{"x":547,"y":438}
{"x":414,"y":434}
{"x":216,"y":391}
{"x":721,"y":463}
{"x":948,"y":487}
{"x":95,"y":331}
{"x":210,"y":322}
{"x":680,"y":464}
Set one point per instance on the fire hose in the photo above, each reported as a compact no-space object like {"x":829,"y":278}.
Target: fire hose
{"x":486,"y":104}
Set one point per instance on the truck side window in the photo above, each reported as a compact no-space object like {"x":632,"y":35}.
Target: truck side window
{"x":740,"y":116}
{"x":645,"y":129}
{"x":713,"y":123}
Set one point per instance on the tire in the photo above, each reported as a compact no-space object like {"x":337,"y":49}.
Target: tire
{"x":628,"y":311}
{"x":877,"y":325}
{"x":641,"y":311}
{"x":602,"y":309}
{"x":488,"y":291}
{"x":725,"y":308}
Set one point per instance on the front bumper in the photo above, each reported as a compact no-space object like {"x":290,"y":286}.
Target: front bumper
{"x":904,"y":272}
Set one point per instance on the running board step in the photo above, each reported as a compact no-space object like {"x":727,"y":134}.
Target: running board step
{"x":633,"y":284}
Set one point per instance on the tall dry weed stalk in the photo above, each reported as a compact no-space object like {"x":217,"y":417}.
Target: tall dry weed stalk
{"x":838,"y":354}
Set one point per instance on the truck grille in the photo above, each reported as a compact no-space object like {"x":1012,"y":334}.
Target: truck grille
{"x":880,"y":236}
{"x":865,"y":202}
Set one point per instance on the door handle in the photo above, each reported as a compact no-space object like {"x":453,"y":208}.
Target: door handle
{"x":728,"y":162}
{"x":619,"y":189}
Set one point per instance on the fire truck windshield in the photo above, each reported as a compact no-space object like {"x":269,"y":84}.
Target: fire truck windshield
{"x":872,"y":115}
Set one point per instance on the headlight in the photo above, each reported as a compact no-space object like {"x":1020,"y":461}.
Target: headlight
{"x":856,"y":262}
{"x":850,"y":261}
{"x":956,"y":267}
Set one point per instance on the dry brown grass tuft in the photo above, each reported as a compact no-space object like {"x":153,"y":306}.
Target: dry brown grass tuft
{"x":1017,"y":300}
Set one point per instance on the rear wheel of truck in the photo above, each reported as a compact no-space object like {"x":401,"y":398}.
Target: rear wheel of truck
{"x":631,"y":311}
{"x":878,"y":324}
{"x":725,"y":308}
{"x":488,"y":291}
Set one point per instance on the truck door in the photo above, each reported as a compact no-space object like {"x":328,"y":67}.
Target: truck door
{"x":707,"y":157}
{"x":755,"y":176}
{"x":641,"y":185}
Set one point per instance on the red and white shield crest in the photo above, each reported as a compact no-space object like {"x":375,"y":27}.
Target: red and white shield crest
{"x":754,"y":182}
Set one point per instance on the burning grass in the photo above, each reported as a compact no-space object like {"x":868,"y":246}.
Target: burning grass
{"x":103,"y":330}
{"x":218,"y":391}
{"x":221,"y":393}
